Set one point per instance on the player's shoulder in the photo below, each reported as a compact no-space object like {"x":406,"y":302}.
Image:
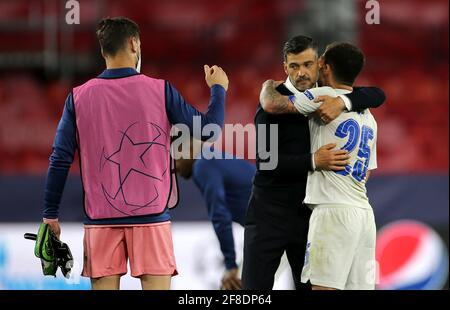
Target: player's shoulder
{"x":86,"y":86}
{"x":227,"y":163}
{"x":150,"y":79}
{"x":368,"y":119}
{"x":355,"y":115}
{"x":322,"y":91}
{"x":367,"y":114}
{"x":237,"y":164}
{"x":372,"y":119}
{"x":325,"y":89}
{"x":203,"y":165}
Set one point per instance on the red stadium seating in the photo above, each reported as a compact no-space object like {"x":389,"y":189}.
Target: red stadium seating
{"x":407,"y":56}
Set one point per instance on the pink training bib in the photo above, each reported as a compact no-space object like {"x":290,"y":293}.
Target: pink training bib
{"x":123,"y":135}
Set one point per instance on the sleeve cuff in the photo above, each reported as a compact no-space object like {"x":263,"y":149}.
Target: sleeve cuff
{"x":230,"y":265}
{"x":217,"y":87}
{"x":347,"y":102}
{"x":47,"y":220}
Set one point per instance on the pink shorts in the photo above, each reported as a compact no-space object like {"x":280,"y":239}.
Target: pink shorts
{"x":148,"y":246}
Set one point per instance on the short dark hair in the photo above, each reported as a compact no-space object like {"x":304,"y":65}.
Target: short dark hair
{"x":297,"y":45}
{"x":346,"y":61}
{"x":112,"y":33}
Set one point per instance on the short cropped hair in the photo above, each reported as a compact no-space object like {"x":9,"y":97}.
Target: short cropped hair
{"x":112,"y":33}
{"x":297,"y":45}
{"x":346,"y":61}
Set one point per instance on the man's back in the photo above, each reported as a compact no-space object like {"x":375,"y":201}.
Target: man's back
{"x":232,"y":176}
{"x":119,"y":135}
{"x":356,"y":133}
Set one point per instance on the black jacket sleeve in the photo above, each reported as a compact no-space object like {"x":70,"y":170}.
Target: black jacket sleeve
{"x":289,"y":165}
{"x":366,"y":97}
{"x":293,"y":164}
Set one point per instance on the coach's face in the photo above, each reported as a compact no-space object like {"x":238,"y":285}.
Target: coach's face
{"x":302,"y":69}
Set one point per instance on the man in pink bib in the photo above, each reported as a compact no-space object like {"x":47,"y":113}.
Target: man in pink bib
{"x":120,"y":124}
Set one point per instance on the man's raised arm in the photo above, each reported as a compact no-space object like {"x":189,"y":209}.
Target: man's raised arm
{"x":299,"y":102}
{"x":273,"y":102}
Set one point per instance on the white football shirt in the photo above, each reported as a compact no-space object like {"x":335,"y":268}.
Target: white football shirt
{"x":352,"y":131}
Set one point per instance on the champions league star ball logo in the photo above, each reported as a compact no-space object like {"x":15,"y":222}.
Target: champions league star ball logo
{"x":131,"y":171}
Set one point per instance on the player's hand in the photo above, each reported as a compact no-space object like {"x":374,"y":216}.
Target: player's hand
{"x":326,"y":158}
{"x":54,"y":225}
{"x":216,"y":75}
{"x":231,"y":281}
{"x":330,"y":109}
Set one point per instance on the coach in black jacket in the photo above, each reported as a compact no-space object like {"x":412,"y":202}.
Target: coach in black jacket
{"x":276,"y":219}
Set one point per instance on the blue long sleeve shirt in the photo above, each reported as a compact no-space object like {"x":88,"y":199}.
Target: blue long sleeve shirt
{"x":226,"y":185}
{"x":65,"y":143}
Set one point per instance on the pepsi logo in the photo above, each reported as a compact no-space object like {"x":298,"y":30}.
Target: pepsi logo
{"x":411,"y":256}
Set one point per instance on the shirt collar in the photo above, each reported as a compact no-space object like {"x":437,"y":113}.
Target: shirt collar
{"x":294,"y":90}
{"x":117,"y":73}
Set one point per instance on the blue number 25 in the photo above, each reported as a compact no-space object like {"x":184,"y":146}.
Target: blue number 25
{"x":351,"y":129}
